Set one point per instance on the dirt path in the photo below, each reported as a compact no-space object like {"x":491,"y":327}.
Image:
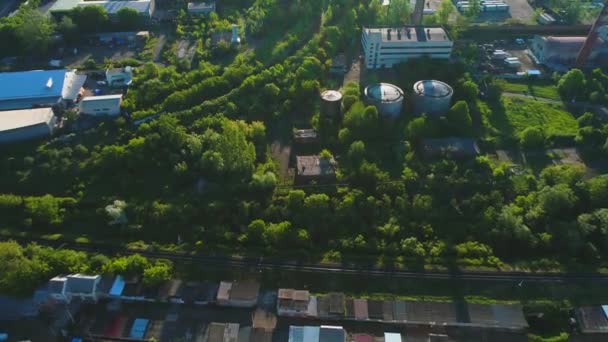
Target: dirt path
{"x":159,"y":47}
{"x":541,"y":99}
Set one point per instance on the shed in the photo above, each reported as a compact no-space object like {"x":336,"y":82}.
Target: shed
{"x":392,"y":337}
{"x":305,"y":136}
{"x":201,"y":7}
{"x":375,"y":309}
{"x":106,"y":105}
{"x":360,"y":306}
{"x":26,"y":124}
{"x":138,"y":329}
{"x":117,"y":286}
{"x":453,"y":147}
{"x":315,"y":168}
{"x":330,"y":333}
{"x":363,"y":338}
{"x":304,"y":333}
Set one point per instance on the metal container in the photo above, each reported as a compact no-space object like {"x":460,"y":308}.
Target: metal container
{"x":331,"y":102}
{"x":432,"y":97}
{"x":386,"y":97}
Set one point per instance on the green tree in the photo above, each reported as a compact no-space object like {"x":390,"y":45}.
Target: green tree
{"x":474,"y":8}
{"x":532,"y":137}
{"x":68,"y":30}
{"x":446,"y":8}
{"x":572,"y":85}
{"x":90,"y":18}
{"x":35,"y":32}
{"x":459,"y":118}
{"x":44,"y":210}
{"x":398,"y":12}
{"x":128,"y":19}
{"x":598,"y":191}
{"x":229,"y":152}
{"x":157,"y":274}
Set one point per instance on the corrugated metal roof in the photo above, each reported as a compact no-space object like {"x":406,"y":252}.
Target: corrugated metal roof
{"x":112,"y":7}
{"x":363,"y":338}
{"x":223,"y":293}
{"x":31,"y":84}
{"x":311,"y":333}
{"x":117,"y":286}
{"x":138,"y":330}
{"x":15,"y":119}
{"x":296,"y":334}
{"x":360,"y":306}
{"x":330,"y":333}
{"x":80,"y":283}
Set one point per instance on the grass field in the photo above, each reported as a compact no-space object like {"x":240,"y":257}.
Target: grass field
{"x":535,"y":88}
{"x":514,"y":115}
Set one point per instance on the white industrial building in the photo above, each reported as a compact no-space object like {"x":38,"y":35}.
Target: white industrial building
{"x":560,"y":53}
{"x":38,"y":88}
{"x":145,"y":8}
{"x":106,"y":105}
{"x":385,"y":46}
{"x":25,"y":124}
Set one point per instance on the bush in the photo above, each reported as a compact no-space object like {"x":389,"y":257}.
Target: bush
{"x":532,"y":137}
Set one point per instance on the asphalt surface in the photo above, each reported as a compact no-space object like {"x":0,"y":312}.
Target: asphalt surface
{"x":260,"y":264}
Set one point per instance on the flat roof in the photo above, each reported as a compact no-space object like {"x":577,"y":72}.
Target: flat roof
{"x":14,"y":119}
{"x":101,"y":98}
{"x":209,"y":5}
{"x":111,"y":6}
{"x":31,"y":84}
{"x":315,"y":166}
{"x":410,"y":33}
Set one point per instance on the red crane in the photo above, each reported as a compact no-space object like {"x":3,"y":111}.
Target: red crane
{"x":583,"y":55}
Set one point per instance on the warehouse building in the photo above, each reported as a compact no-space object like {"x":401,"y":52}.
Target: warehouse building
{"x":25,"y":124}
{"x":145,"y":8}
{"x":38,"y":88}
{"x":106,"y":105}
{"x":559,"y":53}
{"x":384,"y":47}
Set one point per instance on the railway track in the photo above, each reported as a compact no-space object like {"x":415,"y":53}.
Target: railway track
{"x":261,"y":264}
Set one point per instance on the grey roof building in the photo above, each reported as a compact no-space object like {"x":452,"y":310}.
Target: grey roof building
{"x":315,"y":168}
{"x":25,"y":124}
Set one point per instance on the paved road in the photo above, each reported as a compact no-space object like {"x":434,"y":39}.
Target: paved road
{"x":342,"y":269}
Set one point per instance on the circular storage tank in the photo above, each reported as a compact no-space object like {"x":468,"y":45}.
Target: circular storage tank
{"x":432,"y":97}
{"x":331,"y":102}
{"x":386,"y":97}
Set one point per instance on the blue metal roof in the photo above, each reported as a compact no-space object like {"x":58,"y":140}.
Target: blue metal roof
{"x":138,"y":330}
{"x":31,"y":84}
{"x":118,"y":286}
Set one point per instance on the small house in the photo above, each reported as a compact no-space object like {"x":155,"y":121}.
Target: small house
{"x":305,"y":136}
{"x":84,"y":287}
{"x":119,"y":77}
{"x":105,"y":105}
{"x":454,"y":147}
{"x":238,"y":294}
{"x":293,"y":302}
{"x":338,"y":65}
{"x":197,"y":8}
{"x":315,"y":168}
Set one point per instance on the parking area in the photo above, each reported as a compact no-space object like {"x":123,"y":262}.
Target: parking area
{"x":521,"y":11}
{"x":506,"y":57}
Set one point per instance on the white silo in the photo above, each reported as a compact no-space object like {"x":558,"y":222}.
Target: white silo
{"x":386,"y":97}
{"x":432,"y":97}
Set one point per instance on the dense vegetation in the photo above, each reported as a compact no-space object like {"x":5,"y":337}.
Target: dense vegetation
{"x":22,"y":268}
{"x":200,"y":173}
